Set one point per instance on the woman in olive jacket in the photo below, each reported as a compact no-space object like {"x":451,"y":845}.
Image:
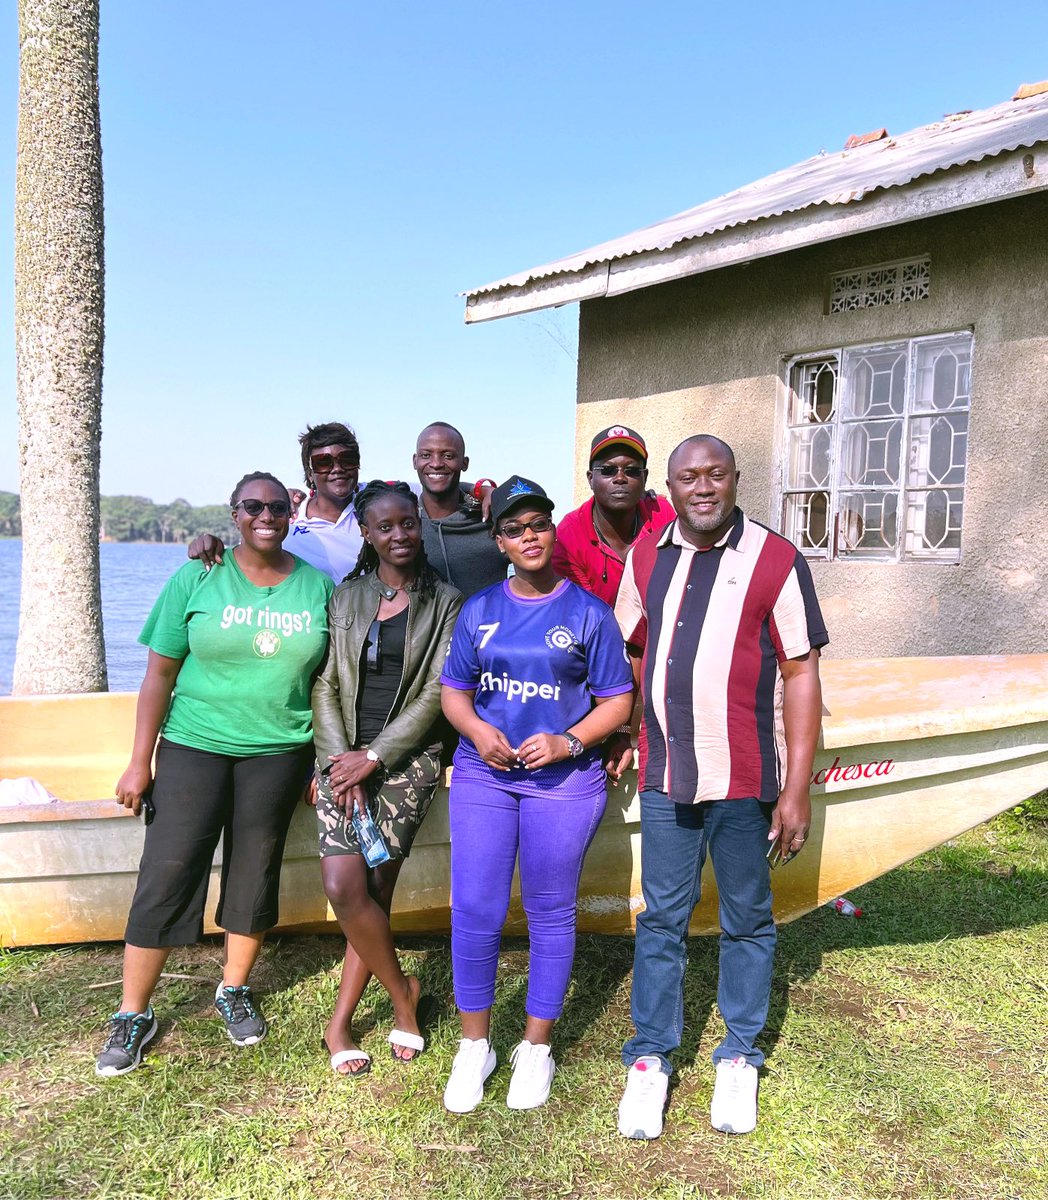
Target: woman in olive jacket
{"x":377,"y":727}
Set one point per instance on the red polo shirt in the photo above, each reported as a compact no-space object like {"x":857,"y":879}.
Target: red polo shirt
{"x":582,"y":557}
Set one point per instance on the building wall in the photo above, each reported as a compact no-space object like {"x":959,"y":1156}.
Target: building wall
{"x":706,"y":354}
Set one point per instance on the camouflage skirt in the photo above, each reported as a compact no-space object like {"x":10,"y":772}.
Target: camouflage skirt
{"x":398,"y":803}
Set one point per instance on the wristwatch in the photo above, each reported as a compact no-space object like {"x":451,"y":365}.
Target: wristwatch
{"x":575,"y":747}
{"x":373,"y":757}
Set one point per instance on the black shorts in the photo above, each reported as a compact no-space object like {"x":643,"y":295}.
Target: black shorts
{"x":200,"y":797}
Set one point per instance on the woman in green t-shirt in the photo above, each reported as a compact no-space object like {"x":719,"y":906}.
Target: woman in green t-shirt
{"x":378,"y":732}
{"x":232,"y":656}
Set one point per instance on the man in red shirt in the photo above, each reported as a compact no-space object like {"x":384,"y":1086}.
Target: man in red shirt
{"x":593,"y":540}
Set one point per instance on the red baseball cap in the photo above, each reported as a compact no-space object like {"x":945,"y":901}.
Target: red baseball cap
{"x":618,"y":435}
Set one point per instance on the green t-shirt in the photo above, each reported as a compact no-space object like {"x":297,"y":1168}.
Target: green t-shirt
{"x":249,"y":656}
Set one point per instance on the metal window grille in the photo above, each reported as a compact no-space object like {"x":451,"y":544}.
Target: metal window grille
{"x":876,"y":450}
{"x":874,"y":287}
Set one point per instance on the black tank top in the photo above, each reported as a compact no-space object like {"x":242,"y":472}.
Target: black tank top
{"x":381,"y":672}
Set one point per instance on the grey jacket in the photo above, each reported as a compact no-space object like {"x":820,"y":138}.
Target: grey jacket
{"x":461,"y":550}
{"x":409,"y":728}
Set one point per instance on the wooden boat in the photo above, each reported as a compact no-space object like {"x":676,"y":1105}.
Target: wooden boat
{"x":914,"y":751}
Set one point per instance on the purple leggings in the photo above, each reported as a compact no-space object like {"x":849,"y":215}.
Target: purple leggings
{"x":489,"y":824}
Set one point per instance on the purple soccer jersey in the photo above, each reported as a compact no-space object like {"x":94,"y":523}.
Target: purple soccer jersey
{"x":534,"y":667}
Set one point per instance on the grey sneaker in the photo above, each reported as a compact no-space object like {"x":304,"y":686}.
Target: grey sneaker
{"x":129,"y":1034}
{"x":244,"y":1023}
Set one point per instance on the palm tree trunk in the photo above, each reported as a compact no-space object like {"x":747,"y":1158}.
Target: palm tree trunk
{"x":59,"y":292}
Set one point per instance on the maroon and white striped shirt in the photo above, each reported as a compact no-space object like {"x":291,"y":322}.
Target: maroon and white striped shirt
{"x":713,"y":626}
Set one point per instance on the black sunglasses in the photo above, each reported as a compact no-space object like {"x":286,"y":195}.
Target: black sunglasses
{"x":253,"y":508}
{"x":515,"y":529}
{"x":609,"y":472}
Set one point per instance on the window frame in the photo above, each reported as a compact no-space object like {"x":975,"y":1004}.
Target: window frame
{"x":910,"y":415}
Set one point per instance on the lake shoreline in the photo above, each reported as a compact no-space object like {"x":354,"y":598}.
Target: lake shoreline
{"x":132,"y":573}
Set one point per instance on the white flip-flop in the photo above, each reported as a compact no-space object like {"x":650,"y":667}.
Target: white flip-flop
{"x":341,"y":1057}
{"x":406,"y":1041}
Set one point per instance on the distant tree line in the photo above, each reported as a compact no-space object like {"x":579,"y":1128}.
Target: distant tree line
{"x":136,"y":519}
{"x":10,"y":515}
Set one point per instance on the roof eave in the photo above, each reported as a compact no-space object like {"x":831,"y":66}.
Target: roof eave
{"x":1002,"y":177}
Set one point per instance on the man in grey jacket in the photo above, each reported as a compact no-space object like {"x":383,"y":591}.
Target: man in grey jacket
{"x":456,"y":537}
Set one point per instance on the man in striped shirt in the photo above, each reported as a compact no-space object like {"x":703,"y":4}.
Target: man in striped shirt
{"x":721,"y":618}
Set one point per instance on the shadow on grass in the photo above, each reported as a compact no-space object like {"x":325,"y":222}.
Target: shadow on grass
{"x":958,"y":891}
{"x":950,"y":893}
{"x":601,"y":966}
{"x":954,"y":892}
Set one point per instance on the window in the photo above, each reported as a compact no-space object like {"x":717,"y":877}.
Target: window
{"x":877,"y":439}
{"x":874,"y":287}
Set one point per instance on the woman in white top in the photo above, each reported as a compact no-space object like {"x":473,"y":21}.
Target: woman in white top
{"x":324,"y":531}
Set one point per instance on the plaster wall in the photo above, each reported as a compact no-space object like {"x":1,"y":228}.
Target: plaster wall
{"x":706,"y":354}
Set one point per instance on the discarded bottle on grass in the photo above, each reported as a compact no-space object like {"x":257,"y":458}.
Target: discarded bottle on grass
{"x":372,"y":843}
{"x":845,"y":907}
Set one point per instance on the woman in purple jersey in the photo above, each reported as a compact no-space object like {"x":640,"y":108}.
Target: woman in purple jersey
{"x":535,"y":680}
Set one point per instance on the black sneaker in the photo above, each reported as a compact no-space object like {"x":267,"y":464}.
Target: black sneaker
{"x":244,"y":1023}
{"x":129,"y":1034}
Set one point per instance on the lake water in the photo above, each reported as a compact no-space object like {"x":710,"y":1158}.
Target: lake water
{"x":132,"y":575}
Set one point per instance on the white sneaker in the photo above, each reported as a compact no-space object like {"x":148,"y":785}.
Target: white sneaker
{"x":473,"y":1064}
{"x":533,"y":1069}
{"x":640,"y":1109}
{"x":734,"y":1105}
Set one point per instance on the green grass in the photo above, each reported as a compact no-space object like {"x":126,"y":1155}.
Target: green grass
{"x":906,"y":1058}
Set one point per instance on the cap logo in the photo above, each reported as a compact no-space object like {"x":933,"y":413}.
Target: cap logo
{"x":520,"y":488}
{"x":617,"y":431}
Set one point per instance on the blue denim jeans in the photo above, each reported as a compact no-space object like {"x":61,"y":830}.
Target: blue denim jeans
{"x":674,"y":842}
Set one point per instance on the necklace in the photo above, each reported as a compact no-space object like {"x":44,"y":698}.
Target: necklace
{"x":388,"y":590}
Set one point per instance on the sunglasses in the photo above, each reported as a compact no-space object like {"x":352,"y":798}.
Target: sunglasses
{"x":253,"y":508}
{"x":324,"y":464}
{"x":515,"y":529}
{"x":609,"y":472}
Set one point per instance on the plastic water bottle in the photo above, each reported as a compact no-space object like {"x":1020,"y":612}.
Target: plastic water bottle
{"x":372,"y":843}
{"x":845,"y":907}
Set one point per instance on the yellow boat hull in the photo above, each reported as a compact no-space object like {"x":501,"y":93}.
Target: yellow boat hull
{"x":913,"y":752}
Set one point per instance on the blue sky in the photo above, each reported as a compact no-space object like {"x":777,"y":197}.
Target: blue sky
{"x":296,"y":193}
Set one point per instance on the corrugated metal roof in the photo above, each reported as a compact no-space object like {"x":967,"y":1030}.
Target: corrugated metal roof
{"x":828,"y":178}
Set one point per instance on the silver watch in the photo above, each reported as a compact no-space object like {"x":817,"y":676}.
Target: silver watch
{"x":575,"y":747}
